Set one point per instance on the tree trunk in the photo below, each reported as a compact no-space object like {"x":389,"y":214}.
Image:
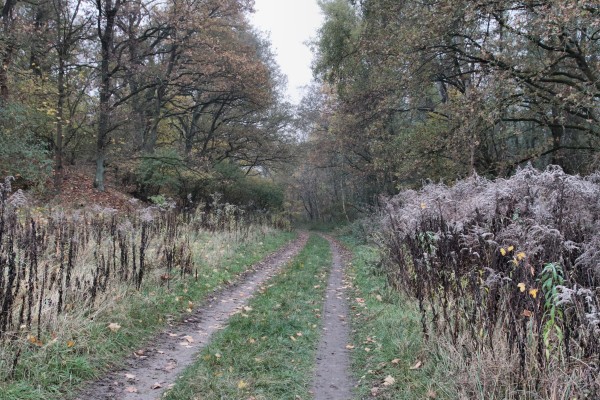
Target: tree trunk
{"x":7,"y":52}
{"x":58,"y":153}
{"x":99,"y":179}
{"x":106,"y":40}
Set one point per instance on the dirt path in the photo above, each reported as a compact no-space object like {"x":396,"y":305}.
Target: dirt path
{"x":151,"y":371}
{"x":332,"y":373}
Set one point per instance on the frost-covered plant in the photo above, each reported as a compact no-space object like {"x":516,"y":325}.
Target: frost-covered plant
{"x":476,"y":256}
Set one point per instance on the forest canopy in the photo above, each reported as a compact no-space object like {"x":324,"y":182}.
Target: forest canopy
{"x":438,"y":90}
{"x":163,"y":94}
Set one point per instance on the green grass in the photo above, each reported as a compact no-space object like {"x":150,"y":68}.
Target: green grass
{"x":267,"y":351}
{"x":54,"y":370}
{"x":387,"y":323}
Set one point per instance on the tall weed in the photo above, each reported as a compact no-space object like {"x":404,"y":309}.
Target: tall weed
{"x":508,"y":273}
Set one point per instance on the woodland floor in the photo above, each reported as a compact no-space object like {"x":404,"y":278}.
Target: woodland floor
{"x":152,"y":370}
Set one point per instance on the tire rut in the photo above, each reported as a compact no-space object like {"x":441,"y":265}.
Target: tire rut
{"x":332,"y":380}
{"x":149,"y":373}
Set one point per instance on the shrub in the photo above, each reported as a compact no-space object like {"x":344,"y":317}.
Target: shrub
{"x":22,"y":154}
{"x":508,"y":264}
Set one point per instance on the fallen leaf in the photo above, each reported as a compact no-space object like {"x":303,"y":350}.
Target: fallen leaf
{"x":131,"y":389}
{"x":389,"y":380}
{"x":293,"y":338}
{"x":367,"y":349}
{"x":70,"y":343}
{"x":533,"y":293}
{"x":379,"y":298}
{"x":417,"y":365}
{"x":349,"y":346}
{"x":527,"y":313}
{"x":170,"y":366}
{"x":395,"y":361}
{"x":114,"y":327}
{"x":156,"y":386}
{"x":521,"y":286}
{"x":33,"y":340}
{"x":130,"y":377}
{"x":431,"y":394}
{"x":189,"y":339}
{"x":242,"y":385}
{"x":374,"y":391}
{"x":299,"y":334}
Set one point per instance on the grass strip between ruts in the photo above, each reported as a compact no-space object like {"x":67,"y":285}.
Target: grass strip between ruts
{"x":267,"y":351}
{"x":389,"y":357}
{"x":55,"y":371}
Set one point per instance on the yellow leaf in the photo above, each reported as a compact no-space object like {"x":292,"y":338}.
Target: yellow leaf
{"x":242,"y":385}
{"x":70,"y":343}
{"x":511,"y":248}
{"x":389,"y":380}
{"x":533,"y":293}
{"x":521,"y":286}
{"x":502,"y":251}
{"x":520,"y":256}
{"x":423,"y":206}
{"x":31,"y":339}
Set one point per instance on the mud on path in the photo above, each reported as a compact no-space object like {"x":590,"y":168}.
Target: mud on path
{"x":332,"y":372}
{"x":152,"y":370}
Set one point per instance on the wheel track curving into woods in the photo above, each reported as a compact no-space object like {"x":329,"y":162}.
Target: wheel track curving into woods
{"x":332,"y":380}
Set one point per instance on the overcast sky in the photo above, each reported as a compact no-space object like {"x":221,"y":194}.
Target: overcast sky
{"x":291,"y":24}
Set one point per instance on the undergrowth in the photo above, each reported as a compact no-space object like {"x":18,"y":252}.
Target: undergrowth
{"x":389,"y":358}
{"x":506,"y":275}
{"x":80,"y":290}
